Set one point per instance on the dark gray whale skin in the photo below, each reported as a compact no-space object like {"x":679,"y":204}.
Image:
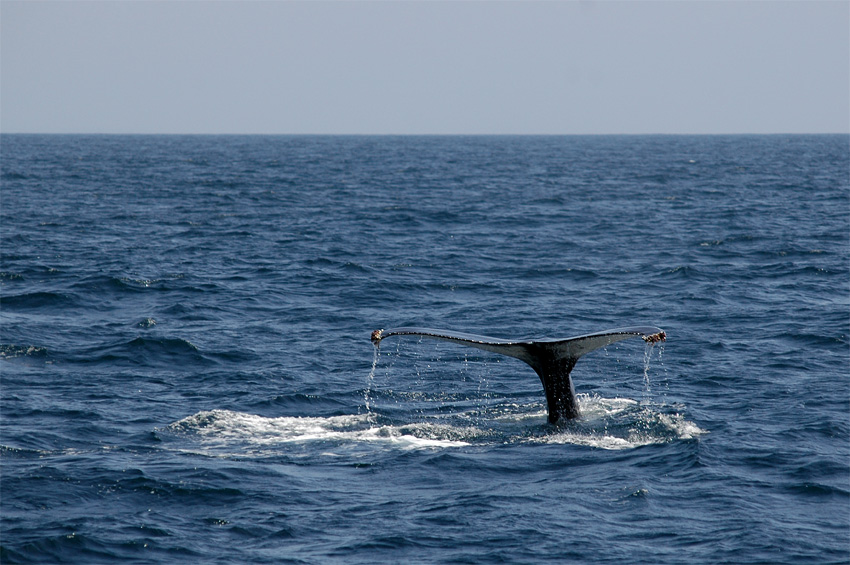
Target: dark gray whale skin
{"x":551,"y":359}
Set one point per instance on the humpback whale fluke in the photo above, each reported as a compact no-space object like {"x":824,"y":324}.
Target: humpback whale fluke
{"x":551,"y":359}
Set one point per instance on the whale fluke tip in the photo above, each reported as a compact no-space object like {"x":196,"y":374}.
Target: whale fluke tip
{"x":377,"y":336}
{"x":655,"y":338}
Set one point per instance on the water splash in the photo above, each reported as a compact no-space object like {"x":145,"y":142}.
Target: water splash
{"x":608,"y":423}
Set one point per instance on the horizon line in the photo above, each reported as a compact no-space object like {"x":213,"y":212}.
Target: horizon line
{"x":267,"y":134}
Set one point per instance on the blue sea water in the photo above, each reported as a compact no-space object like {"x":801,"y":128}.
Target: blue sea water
{"x":187,"y":376}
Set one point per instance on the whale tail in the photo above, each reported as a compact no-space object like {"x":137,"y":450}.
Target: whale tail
{"x":551,"y":359}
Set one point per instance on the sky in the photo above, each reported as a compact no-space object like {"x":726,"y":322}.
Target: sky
{"x":399,"y":67}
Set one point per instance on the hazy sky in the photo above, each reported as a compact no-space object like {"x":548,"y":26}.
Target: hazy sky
{"x":424,"y":67}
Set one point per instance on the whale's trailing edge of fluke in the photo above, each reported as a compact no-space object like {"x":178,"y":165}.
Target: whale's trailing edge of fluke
{"x":551,"y":359}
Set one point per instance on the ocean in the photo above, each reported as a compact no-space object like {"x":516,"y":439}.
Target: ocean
{"x":187,"y":375}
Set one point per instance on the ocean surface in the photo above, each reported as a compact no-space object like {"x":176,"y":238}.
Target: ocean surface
{"x":187,"y":376}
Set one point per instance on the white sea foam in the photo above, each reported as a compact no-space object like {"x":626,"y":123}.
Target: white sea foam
{"x":593,"y":407}
{"x":622,"y":423}
{"x":607,"y":423}
{"x":225,"y":426}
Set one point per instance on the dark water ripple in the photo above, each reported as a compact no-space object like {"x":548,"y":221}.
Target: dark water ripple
{"x":185,"y":370}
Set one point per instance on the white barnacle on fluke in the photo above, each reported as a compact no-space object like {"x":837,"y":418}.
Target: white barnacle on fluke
{"x":655,"y":338}
{"x":551,"y":359}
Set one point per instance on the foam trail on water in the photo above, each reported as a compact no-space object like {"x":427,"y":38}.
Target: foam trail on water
{"x":227,"y":429}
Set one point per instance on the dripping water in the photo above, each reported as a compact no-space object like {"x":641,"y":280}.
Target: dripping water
{"x":647,"y":361}
{"x":370,"y":381}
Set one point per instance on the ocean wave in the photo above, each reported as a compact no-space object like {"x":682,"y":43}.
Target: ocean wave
{"x":96,"y":285}
{"x":16,"y":175}
{"x":7,"y":276}
{"x":57,"y":548}
{"x":10,"y":452}
{"x":10,"y":351}
{"x":41,"y":299}
{"x":145,"y":350}
{"x":813,"y":489}
{"x":167,"y":345}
